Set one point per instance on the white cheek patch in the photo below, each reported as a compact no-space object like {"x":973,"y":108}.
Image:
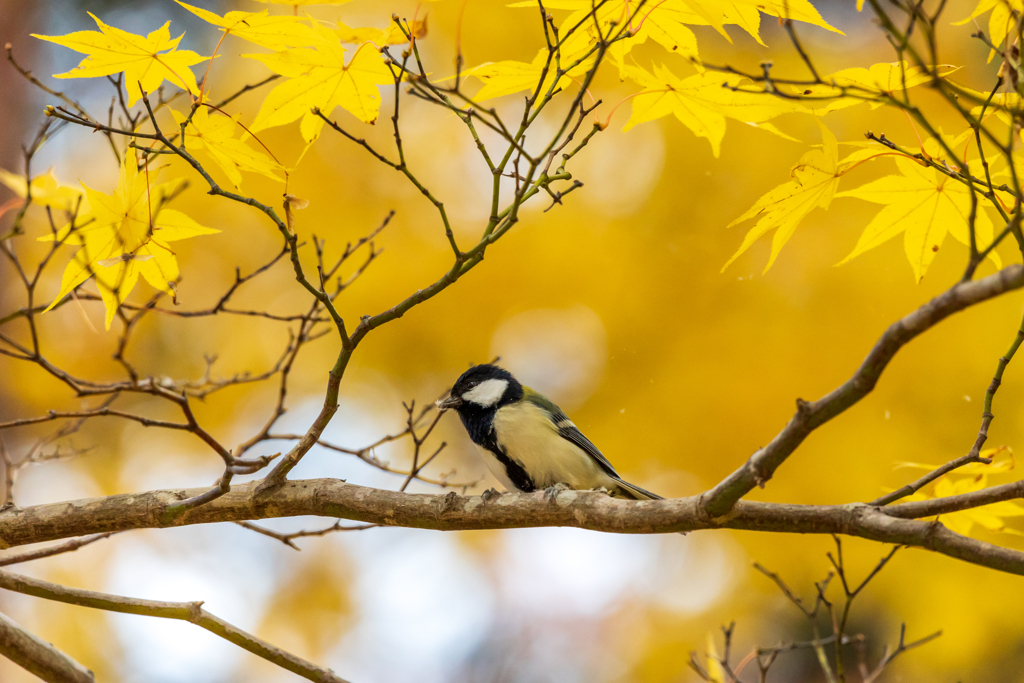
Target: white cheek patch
{"x":487,"y":393}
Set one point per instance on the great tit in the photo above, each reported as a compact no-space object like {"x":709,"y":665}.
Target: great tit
{"x":526,"y":440}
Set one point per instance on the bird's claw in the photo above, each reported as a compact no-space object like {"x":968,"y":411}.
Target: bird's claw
{"x":490,"y":494}
{"x":551,"y":492}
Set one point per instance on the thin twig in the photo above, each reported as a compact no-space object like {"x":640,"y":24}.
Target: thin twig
{"x":192,"y":612}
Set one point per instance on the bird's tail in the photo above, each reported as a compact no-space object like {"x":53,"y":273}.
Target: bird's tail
{"x":634,"y":492}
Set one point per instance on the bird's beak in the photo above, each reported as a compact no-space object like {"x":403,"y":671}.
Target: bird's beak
{"x":450,"y":402}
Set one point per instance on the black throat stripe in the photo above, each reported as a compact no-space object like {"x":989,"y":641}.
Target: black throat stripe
{"x":520,"y":479}
{"x":480,"y":425}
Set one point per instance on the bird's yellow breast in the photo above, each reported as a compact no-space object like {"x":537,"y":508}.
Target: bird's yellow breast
{"x":527,"y":435}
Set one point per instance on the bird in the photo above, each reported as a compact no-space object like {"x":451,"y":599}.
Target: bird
{"x":528,"y":443}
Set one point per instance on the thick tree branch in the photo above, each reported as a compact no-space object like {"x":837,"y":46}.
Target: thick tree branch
{"x":809,"y":416}
{"x":39,"y":657}
{"x":582,"y":509}
{"x":192,"y":612}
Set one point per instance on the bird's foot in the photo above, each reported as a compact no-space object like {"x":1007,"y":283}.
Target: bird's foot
{"x":490,"y":494}
{"x":551,"y":492}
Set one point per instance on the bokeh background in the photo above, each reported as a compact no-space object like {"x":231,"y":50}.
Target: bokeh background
{"x":613,"y":305}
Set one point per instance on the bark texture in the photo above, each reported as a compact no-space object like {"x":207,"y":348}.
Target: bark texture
{"x":582,"y":509}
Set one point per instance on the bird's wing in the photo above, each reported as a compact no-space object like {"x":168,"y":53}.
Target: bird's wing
{"x":567,"y":430}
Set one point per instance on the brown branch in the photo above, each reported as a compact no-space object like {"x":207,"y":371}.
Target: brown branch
{"x":27,"y":75}
{"x":835,"y":667}
{"x":99,"y":412}
{"x":901,"y":647}
{"x":964,"y":501}
{"x":221,"y":305}
{"x":9,"y":475}
{"x":788,"y":25}
{"x":206,"y":312}
{"x":60,"y":549}
{"x":790,"y":595}
{"x":413,"y":421}
{"x":809,"y":416}
{"x":39,"y":657}
{"x":245,"y":89}
{"x":192,"y":612}
{"x":269,"y":533}
{"x":337,"y":526}
{"x":359,"y":141}
{"x":582,"y":509}
{"x":498,"y":225}
{"x":308,"y":323}
{"x":289,"y":538}
{"x":916,"y":486}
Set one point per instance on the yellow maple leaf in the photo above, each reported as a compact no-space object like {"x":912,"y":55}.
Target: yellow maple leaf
{"x":665,"y":22}
{"x":797,"y":10}
{"x":509,"y":77}
{"x":702,"y":102}
{"x":924,"y":205}
{"x":1000,"y":23}
{"x":814,"y":183}
{"x":304,"y":2}
{"x":46,"y":191}
{"x":320,"y":78}
{"x":719,"y":13}
{"x":747,"y":14}
{"x":119,"y":241}
{"x":277,"y":32}
{"x":146,"y":62}
{"x":215,"y":134}
{"x":661,"y":22}
{"x":883,"y":79}
{"x":392,"y":35}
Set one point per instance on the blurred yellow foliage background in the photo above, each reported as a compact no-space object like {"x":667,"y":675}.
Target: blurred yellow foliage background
{"x":613,"y":305}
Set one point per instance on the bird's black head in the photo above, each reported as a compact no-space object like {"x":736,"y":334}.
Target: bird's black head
{"x":482,"y":389}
